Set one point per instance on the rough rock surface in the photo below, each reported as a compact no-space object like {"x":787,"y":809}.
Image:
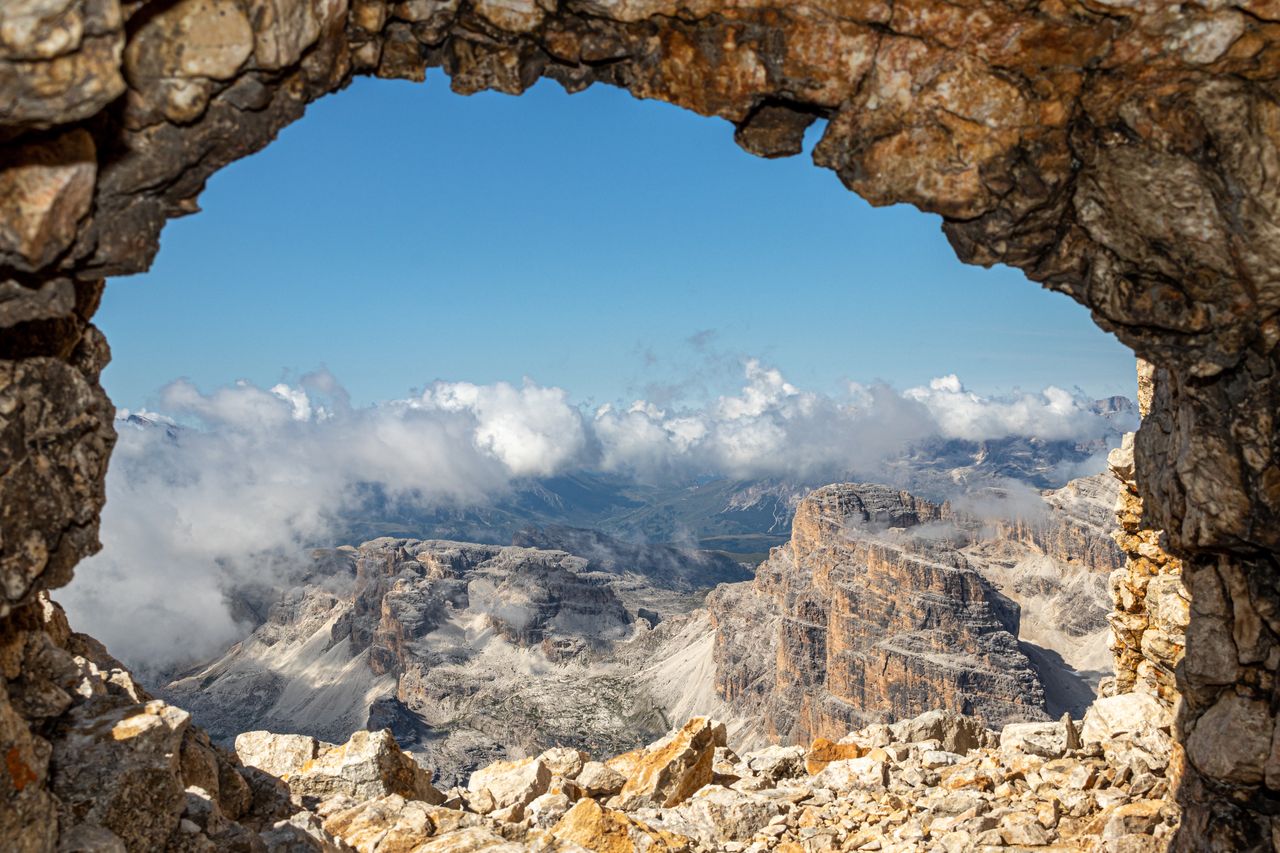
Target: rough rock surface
{"x":1151,"y":606}
{"x":107,"y":767}
{"x":669,"y":771}
{"x":1103,"y":793}
{"x":468,"y":653}
{"x":1122,"y":153}
{"x":871,"y":617}
{"x":368,"y":765}
{"x":1055,"y":563}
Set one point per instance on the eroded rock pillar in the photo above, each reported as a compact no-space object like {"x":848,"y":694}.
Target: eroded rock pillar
{"x":1150,"y":604}
{"x":1205,"y":464}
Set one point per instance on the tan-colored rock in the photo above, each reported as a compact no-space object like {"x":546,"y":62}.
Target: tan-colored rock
{"x":1049,"y":740}
{"x":958,"y":733}
{"x":191,"y":38}
{"x":598,"y":779}
{"x":715,"y":815}
{"x":605,"y":830}
{"x":283,"y":29}
{"x":822,"y":752}
{"x":775,"y":763}
{"x":1151,"y":605}
{"x":669,"y":771}
{"x":564,"y":761}
{"x":59,"y":61}
{"x":1137,"y":818}
{"x":1117,"y":150}
{"x":367,"y":766}
{"x":854,"y":773}
{"x":279,"y":755}
{"x":515,"y":15}
{"x":46,"y":190}
{"x":966,"y":776}
{"x":303,"y":832}
{"x":547,"y":810}
{"x":936,"y":759}
{"x":1065,"y":774}
{"x":508,"y":784}
{"x":120,"y":770}
{"x":470,"y":840}
{"x":393,"y":823}
{"x":1023,"y":829}
{"x":1110,"y":716}
{"x":856,"y":610}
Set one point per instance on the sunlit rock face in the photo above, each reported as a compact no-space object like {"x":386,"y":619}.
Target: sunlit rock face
{"x":884,"y":606}
{"x":1123,"y":153}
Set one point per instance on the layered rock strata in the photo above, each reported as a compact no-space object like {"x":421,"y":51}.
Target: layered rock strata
{"x":1055,"y":560}
{"x":475,"y":652}
{"x":870,"y":613}
{"x":1118,"y":152}
{"x":469,"y":653}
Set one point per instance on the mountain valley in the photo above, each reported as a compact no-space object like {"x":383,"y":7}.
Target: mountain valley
{"x":472,"y":653}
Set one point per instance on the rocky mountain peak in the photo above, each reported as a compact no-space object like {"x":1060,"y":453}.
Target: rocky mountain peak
{"x":842,"y":510}
{"x":870,"y":621}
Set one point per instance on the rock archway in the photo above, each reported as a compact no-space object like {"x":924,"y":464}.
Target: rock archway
{"x":1124,"y":152}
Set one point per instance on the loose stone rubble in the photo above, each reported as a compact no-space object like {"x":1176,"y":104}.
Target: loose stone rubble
{"x":1097,"y":784}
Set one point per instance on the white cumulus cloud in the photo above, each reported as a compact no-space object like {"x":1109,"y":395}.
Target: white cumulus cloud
{"x":229,"y":484}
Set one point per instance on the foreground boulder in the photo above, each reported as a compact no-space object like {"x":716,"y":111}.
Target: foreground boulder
{"x":955,"y":732}
{"x":509,"y":785}
{"x":594,"y":827}
{"x":1048,"y":740}
{"x":368,"y":766}
{"x":823,"y":752}
{"x":1128,"y":713}
{"x":391,"y":822}
{"x":123,"y":771}
{"x":668,"y":772}
{"x":279,"y":755}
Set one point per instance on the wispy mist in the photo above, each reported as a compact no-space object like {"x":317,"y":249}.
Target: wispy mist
{"x":232,"y":484}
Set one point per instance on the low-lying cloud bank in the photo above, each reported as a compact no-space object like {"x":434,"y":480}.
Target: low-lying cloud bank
{"x":225,"y":483}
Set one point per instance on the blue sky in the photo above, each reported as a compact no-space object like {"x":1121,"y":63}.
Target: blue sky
{"x":401,"y":234}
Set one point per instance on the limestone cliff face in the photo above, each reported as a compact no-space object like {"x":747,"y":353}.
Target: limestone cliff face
{"x":1056,"y":564}
{"x":865,"y":616}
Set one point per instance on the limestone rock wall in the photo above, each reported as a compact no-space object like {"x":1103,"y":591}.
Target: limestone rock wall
{"x":864,"y":618}
{"x":1123,"y":153}
{"x":1152,"y":608}
{"x":93,"y":762}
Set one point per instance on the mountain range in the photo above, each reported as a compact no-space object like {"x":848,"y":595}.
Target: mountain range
{"x":472,"y":652}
